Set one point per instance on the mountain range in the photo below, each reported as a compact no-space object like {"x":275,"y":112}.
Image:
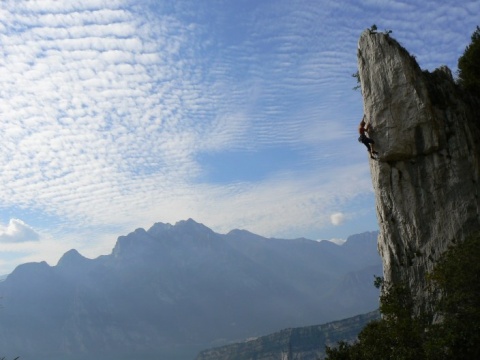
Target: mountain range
{"x":172,"y":290}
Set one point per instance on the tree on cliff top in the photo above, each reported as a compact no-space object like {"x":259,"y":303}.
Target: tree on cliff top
{"x":469,"y":65}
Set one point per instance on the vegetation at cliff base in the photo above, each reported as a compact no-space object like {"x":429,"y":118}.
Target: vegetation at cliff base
{"x":469,"y":65}
{"x":456,"y":278}
{"x":403,"y":334}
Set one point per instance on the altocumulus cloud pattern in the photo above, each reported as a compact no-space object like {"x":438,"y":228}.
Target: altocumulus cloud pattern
{"x":91,"y":99}
{"x":116,"y":114}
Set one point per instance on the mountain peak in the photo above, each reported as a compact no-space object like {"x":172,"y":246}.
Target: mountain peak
{"x":141,"y":241}
{"x":71,"y":256}
{"x":361,"y":239}
{"x":158,"y":228}
{"x":191,"y":226}
{"x":244,"y":235}
{"x":29,"y":272}
{"x":189,"y":222}
{"x":72,"y":260}
{"x":132,"y":243}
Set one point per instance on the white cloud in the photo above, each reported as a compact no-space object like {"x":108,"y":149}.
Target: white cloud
{"x":337,"y":218}
{"x":337,"y":241}
{"x":17,"y":232}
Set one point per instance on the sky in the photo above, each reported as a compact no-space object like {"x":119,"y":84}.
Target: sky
{"x":116,"y":114}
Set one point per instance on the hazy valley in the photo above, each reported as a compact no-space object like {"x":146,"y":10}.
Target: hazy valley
{"x":174,"y":290}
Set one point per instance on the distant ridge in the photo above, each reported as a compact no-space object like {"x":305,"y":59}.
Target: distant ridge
{"x":304,"y":343}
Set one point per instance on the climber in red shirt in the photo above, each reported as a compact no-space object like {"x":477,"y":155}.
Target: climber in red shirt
{"x":365,"y":140}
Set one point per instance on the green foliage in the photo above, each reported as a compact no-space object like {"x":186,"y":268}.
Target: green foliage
{"x":456,"y":276}
{"x":404,"y":334}
{"x":469,"y":65}
{"x":343,"y":351}
{"x":357,"y":76}
{"x":373,"y":30}
{"x":378,"y":282}
{"x":398,"y":335}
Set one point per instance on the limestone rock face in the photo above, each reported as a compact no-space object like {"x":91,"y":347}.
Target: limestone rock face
{"x":427,"y":179}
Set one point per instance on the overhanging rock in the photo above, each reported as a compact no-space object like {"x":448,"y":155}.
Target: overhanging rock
{"x":427,"y":179}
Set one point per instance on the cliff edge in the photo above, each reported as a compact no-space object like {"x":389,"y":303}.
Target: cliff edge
{"x":426,"y":180}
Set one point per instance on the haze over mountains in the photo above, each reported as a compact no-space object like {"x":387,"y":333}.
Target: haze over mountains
{"x":176,"y":289}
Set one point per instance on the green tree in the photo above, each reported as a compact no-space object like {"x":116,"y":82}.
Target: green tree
{"x":469,"y":65}
{"x":456,"y":278}
{"x":403,"y":334}
{"x":398,"y":335}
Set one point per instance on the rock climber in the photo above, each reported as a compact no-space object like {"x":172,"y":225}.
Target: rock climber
{"x":365,"y":140}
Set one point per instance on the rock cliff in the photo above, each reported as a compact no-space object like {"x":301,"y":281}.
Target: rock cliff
{"x":426,"y":180}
